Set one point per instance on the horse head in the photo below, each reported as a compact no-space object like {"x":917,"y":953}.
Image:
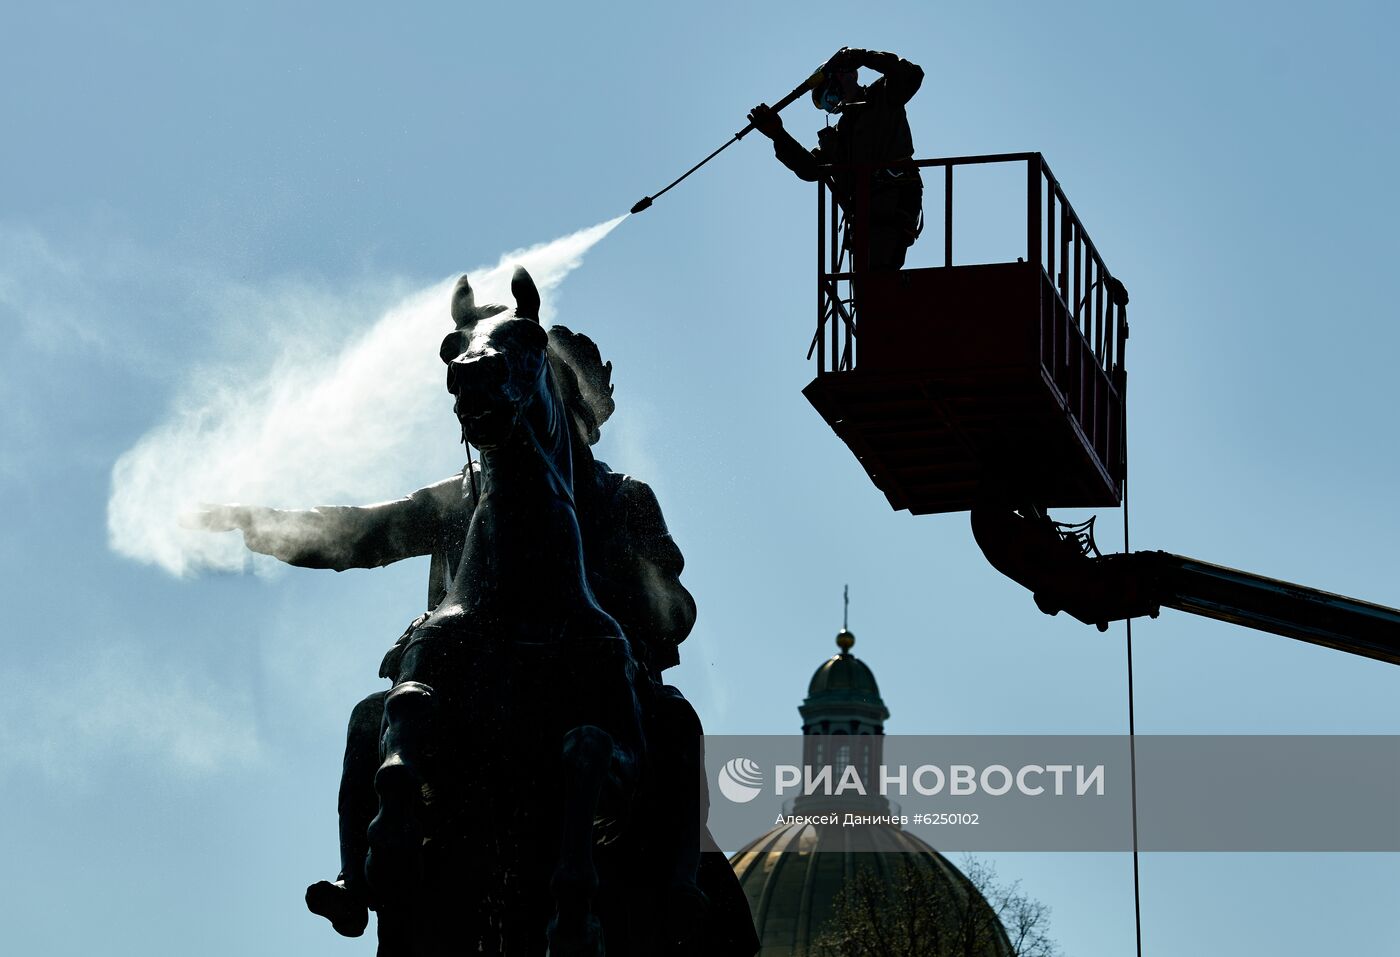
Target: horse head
{"x":497,"y":361}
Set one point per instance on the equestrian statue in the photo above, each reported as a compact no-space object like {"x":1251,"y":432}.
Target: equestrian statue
{"x":528,"y":785}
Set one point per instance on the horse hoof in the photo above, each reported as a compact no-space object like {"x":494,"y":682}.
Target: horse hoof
{"x":337,"y":904}
{"x":582,"y":938}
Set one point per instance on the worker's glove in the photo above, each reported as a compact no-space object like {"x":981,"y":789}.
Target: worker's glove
{"x":765,"y":120}
{"x":844,"y":60}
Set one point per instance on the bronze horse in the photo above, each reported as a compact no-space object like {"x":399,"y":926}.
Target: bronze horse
{"x":513,"y":724}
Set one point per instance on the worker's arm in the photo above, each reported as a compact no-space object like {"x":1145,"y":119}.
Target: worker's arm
{"x":901,"y":79}
{"x":792,"y":154}
{"x":342,"y":537}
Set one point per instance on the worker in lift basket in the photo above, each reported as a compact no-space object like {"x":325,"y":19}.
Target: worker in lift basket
{"x":873,"y":131}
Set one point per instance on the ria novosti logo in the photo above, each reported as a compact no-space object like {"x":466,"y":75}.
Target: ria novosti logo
{"x":740,"y":780}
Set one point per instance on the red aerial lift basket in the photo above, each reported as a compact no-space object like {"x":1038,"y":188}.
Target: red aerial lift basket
{"x":960,"y":383}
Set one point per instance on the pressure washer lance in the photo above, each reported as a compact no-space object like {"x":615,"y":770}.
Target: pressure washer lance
{"x":811,"y":83}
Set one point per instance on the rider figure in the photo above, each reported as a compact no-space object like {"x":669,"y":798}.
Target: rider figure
{"x":872,"y":134}
{"x":633,"y":567}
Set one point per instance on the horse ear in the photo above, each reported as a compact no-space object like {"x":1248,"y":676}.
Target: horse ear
{"x":527,"y":297}
{"x":464,"y":311}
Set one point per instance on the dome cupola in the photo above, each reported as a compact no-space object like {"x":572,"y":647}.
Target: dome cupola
{"x":793,"y":873}
{"x":843,"y":697}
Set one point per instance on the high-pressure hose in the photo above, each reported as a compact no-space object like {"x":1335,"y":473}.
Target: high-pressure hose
{"x":811,"y":83}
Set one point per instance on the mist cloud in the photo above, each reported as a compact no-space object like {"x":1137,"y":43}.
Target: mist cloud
{"x":345,"y":425}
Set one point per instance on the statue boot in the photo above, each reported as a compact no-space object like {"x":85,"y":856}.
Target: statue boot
{"x":345,"y":902}
{"x":394,"y":863}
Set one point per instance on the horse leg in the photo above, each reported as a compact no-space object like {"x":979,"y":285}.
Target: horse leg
{"x":590,"y":762}
{"x":394,"y":863}
{"x":396,"y":932}
{"x":676,"y":765}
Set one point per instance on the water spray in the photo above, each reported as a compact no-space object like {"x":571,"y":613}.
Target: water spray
{"x":354,"y":423}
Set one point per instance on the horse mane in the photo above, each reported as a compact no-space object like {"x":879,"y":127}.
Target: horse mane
{"x":584,"y":378}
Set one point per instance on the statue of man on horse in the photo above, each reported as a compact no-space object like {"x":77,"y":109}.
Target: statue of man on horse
{"x":528,"y":722}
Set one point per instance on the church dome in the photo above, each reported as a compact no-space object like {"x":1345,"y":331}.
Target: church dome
{"x":844,"y":672}
{"x":842,"y":696}
{"x":792,"y":874}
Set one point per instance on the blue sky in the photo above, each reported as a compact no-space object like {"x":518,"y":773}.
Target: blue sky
{"x":197,"y":193}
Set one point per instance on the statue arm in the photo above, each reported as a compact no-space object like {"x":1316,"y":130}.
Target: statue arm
{"x":657,"y":600}
{"x":341,"y":537}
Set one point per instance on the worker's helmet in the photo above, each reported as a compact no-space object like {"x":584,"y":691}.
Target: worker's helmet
{"x":837,"y":89}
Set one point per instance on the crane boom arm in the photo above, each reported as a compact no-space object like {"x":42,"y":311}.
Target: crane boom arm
{"x":1267,"y":604}
{"x":1032,"y":550}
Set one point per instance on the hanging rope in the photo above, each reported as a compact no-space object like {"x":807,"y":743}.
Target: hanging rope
{"x":1132,"y":715}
